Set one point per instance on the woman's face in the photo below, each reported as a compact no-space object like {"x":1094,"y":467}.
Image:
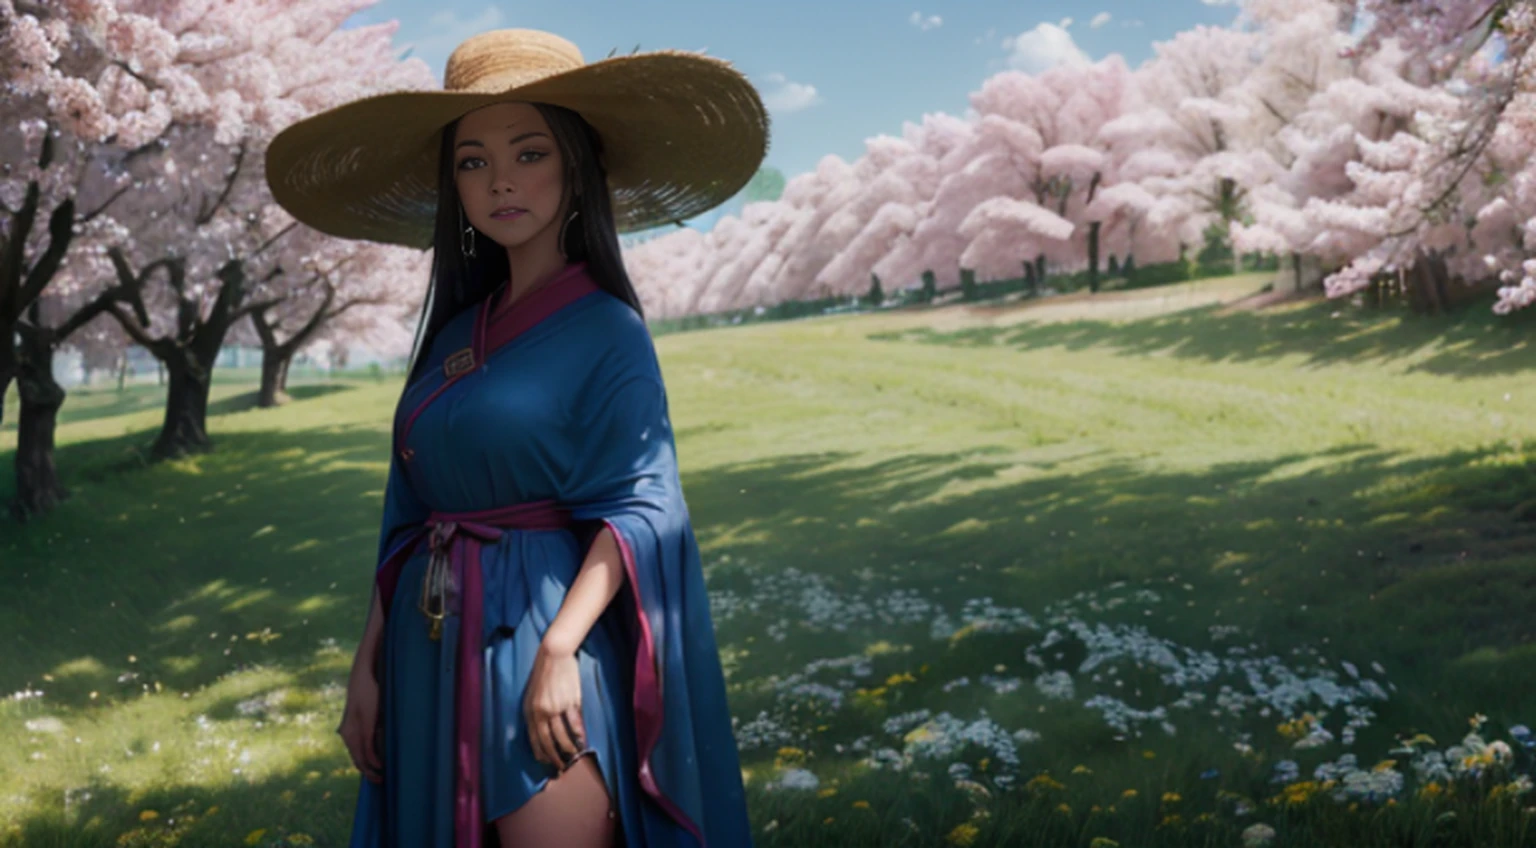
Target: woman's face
{"x":509,"y":175}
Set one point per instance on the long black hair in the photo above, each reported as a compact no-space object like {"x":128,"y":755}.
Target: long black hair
{"x":458,"y":281}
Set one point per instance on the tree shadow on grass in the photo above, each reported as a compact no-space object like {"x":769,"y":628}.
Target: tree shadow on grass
{"x":249,"y":400}
{"x":1471,"y":342}
{"x":258,"y":555}
{"x":1425,"y":564}
{"x":91,"y":404}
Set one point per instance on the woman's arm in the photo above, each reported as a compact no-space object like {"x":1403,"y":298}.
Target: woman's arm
{"x":601,"y":576}
{"x":373,"y":634}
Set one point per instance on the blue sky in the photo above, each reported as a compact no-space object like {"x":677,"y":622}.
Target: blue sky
{"x":833,"y":72}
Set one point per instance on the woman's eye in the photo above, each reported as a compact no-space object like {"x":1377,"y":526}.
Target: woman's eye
{"x":464,"y":165}
{"x":536,"y":154}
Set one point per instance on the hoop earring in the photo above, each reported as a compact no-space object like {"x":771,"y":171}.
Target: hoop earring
{"x":466,"y":236}
{"x":560,"y":240}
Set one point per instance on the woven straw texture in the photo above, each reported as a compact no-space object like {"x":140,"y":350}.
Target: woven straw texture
{"x":682,"y":134}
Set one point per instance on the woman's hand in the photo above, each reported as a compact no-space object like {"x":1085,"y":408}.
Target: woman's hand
{"x":552,"y":707}
{"x":359,"y":720}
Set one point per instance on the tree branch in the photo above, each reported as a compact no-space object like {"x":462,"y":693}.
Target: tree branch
{"x":60,"y":233}
{"x":229,"y":185}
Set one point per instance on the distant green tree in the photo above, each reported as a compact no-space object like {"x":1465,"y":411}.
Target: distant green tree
{"x":930,"y":286}
{"x":967,"y":283}
{"x":876,"y":296}
{"x":766,"y":184}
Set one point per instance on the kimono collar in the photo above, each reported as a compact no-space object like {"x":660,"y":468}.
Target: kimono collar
{"x":567,"y":286}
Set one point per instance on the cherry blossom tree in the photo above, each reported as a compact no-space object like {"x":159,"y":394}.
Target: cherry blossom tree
{"x":343,"y":291}
{"x":218,"y":235}
{"x":166,"y":110}
{"x":1184,"y":144}
{"x":88,"y":88}
{"x":1457,"y":167}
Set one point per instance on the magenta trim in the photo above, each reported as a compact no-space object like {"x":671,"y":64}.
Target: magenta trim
{"x":477,"y":345}
{"x":569,"y":285}
{"x":459,"y":536}
{"x":649,"y":714}
{"x":562,"y":290}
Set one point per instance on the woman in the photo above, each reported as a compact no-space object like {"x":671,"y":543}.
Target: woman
{"x":539,"y":664}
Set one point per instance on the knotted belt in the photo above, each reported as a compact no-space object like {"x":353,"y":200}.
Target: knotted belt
{"x":452,"y":584}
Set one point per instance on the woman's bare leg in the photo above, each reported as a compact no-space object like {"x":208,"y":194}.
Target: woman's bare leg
{"x":572,"y":810}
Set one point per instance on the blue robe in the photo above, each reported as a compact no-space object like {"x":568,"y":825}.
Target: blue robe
{"x":565,"y":403}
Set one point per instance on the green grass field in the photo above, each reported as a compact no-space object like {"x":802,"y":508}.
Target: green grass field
{"x":1081,"y":573}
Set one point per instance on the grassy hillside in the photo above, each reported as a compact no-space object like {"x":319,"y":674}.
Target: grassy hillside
{"x":952,"y":553}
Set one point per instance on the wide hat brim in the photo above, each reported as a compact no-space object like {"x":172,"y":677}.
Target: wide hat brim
{"x":682,"y":133}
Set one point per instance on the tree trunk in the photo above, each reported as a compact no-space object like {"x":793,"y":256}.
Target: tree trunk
{"x":1296,"y":268}
{"x":186,"y":407}
{"x":1030,"y":281}
{"x":37,"y":479}
{"x":7,"y":364}
{"x":122,"y":372}
{"x":274,"y":376}
{"x":1428,"y":279}
{"x":1093,"y":256}
{"x":1040,"y":268}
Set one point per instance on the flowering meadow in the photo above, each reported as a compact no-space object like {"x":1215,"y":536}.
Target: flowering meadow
{"x":1200,"y":578}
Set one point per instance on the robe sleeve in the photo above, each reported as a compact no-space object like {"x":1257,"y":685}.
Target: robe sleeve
{"x":403,"y":511}
{"x":624,"y":476}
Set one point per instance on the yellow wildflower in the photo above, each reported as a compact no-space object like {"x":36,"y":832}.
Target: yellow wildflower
{"x":255,"y":836}
{"x":1171,"y":798}
{"x":1432,"y":789}
{"x":1149,"y":754}
{"x":788,"y":755}
{"x":984,"y":762}
{"x":861,"y":805}
{"x":1103,"y":842}
{"x":1384,"y":765}
{"x":1081,"y":769}
{"x":827,"y":793}
{"x":1042,"y":782}
{"x":1129,"y":793}
{"x":896,"y":679}
{"x":1065,"y":808}
{"x":211,"y":810}
{"x":1173,"y":820}
{"x":828,"y":820}
{"x":300,"y":839}
{"x":148,"y":815}
{"x":963,"y":834}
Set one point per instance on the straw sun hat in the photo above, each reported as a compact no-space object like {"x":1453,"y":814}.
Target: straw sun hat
{"x":681,"y":133}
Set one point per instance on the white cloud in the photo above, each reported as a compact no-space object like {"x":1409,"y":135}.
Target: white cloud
{"x":925,"y":24}
{"x":786,"y":96}
{"x":1066,"y":23}
{"x":445,"y":30}
{"x":1045,"y":46}
{"x":1099,"y":20}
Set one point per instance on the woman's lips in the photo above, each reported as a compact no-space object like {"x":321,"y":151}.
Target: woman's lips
{"x":507,"y":215}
